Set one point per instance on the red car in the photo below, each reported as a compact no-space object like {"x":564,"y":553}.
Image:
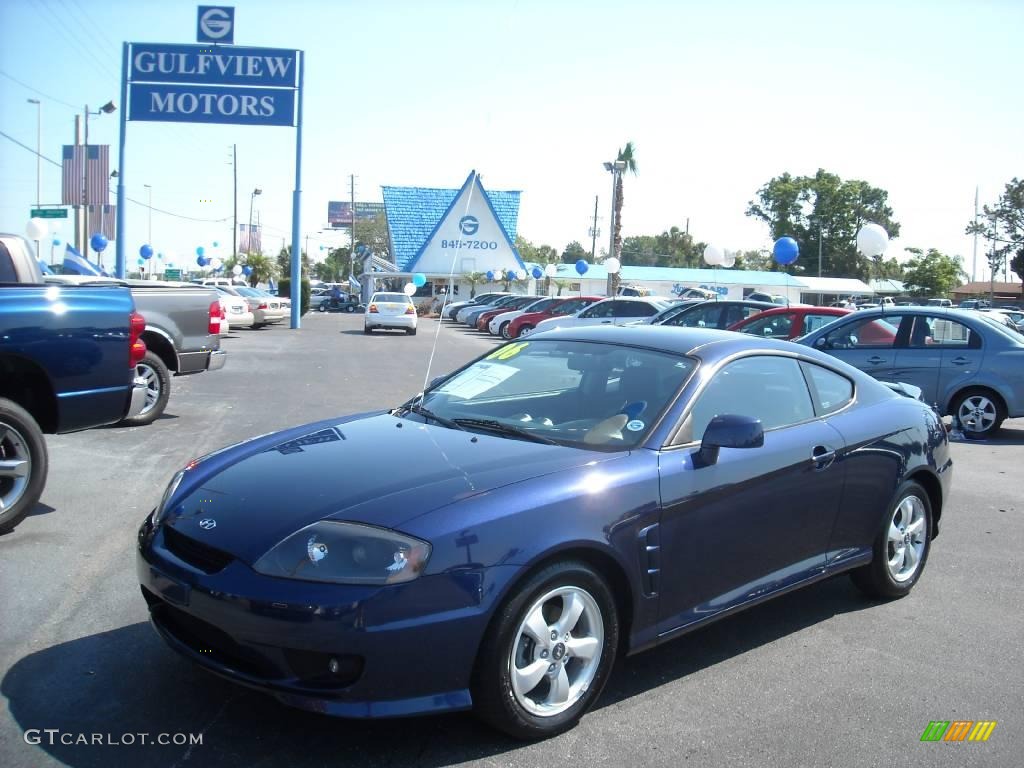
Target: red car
{"x":524,"y":324}
{"x":512,"y":306}
{"x":788,"y":322}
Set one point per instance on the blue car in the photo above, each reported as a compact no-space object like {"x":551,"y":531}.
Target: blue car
{"x":555,"y":502}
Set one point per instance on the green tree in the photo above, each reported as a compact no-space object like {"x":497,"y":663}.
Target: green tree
{"x":823,"y":208}
{"x":760,"y":261}
{"x":932,"y":273}
{"x":573,"y":252}
{"x":561,"y":285}
{"x":335,"y":267}
{"x":284,"y":263}
{"x":639,"y":251}
{"x":263,"y":269}
{"x":1003,"y":227}
{"x":627,"y":155}
{"x":474,"y":279}
{"x":677,"y":248}
{"x":374,"y":235}
{"x":527,"y":250}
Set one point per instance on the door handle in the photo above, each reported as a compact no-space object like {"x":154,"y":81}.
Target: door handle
{"x":875,"y":359}
{"x":960,"y":361}
{"x":605,"y":322}
{"x":822,"y":457}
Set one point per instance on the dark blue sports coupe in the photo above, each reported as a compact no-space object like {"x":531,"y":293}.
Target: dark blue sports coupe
{"x":495,"y":542}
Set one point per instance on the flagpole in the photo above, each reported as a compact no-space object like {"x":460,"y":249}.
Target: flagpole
{"x":119,"y":234}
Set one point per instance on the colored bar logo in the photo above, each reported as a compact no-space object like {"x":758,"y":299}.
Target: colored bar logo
{"x":958,"y":730}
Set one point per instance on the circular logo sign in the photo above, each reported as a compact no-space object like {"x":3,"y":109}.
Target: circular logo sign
{"x":469,"y":225}
{"x":635,"y":425}
{"x":207,"y":523}
{"x":215,"y":23}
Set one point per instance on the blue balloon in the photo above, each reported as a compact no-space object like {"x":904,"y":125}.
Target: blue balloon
{"x":489,"y":276}
{"x":247,"y":270}
{"x":216,"y":244}
{"x":56,"y":241}
{"x":146,"y":251}
{"x":511,"y":275}
{"x":200,"y":260}
{"x":98,"y":242}
{"x":785,"y":250}
{"x":582,"y":267}
{"x":141,"y":261}
{"x":538,"y":273}
{"x":419,"y":279}
{"x":200,"y":251}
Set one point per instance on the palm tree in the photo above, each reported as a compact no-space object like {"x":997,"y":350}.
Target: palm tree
{"x":474,"y":279}
{"x":628,"y":155}
{"x":262,"y":269}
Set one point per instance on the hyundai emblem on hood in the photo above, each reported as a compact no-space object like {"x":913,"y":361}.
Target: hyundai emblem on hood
{"x":207,"y":523}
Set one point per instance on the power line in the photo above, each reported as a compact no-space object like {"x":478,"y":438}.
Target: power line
{"x":38,"y":92}
{"x":129,"y":199}
{"x":72,"y":37}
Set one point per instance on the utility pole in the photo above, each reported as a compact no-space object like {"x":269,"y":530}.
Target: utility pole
{"x":594,"y":232}
{"x":78,"y":197}
{"x":974,"y":263}
{"x":821,"y":239}
{"x":352,"y":228}
{"x":85,"y":195}
{"x":234,"y":231}
{"x":39,"y":157}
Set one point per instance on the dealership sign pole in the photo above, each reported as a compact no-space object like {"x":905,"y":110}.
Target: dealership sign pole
{"x":214,"y":83}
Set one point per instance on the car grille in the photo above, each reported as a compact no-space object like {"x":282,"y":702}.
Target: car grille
{"x":208,"y":640}
{"x":202,"y":556}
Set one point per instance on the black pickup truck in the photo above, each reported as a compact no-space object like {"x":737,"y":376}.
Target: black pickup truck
{"x":68,"y":357}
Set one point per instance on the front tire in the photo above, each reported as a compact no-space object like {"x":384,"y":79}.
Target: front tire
{"x":980,"y":411}
{"x":158,"y":390}
{"x":547,"y":653}
{"x":503,"y":331}
{"x":901,"y":547}
{"x":525,"y":330}
{"x":350,"y":309}
{"x":24,"y":464}
{"x":367,"y":330}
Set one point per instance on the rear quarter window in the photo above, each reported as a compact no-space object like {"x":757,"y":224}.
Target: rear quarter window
{"x":7,"y":273}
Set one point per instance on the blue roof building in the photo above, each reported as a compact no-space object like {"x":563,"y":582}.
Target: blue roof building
{"x":442,"y":231}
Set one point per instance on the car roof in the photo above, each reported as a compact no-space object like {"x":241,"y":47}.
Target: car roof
{"x":801,"y":309}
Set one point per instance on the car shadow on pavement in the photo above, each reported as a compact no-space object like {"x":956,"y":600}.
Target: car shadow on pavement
{"x":38,"y":509}
{"x":126,"y":681}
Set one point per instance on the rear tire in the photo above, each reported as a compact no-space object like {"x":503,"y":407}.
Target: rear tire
{"x":24,"y":463}
{"x":980,"y":409}
{"x":410,"y":331}
{"x":525,"y":703}
{"x":158,"y":381}
{"x":900,"y":551}
{"x":503,"y":330}
{"x":350,"y":309}
{"x":367,"y":331}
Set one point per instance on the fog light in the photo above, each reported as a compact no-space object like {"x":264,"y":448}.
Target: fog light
{"x":333,"y":666}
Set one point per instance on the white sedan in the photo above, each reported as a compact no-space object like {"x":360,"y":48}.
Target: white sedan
{"x":621,"y":310}
{"x":234,"y":312}
{"x":390,"y":310}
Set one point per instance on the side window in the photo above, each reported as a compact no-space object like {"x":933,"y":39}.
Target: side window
{"x":768,"y":388}
{"x":865,"y":333}
{"x":832,"y":390}
{"x":930,"y":331}
{"x":7,"y":273}
{"x":634,"y":309}
{"x":773,"y":326}
{"x":604,"y":309}
{"x":705,"y":317}
{"x":814,"y":322}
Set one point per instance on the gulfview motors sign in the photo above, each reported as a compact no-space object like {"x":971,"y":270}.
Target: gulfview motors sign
{"x":212,"y":84}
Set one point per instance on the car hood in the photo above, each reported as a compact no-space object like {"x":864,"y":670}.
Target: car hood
{"x":379,"y":469}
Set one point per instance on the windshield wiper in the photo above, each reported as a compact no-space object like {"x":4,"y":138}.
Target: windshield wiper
{"x":428,"y":414}
{"x":506,"y":429}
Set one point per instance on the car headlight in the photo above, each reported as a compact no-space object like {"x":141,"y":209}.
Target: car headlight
{"x":161,"y":509}
{"x":346,"y":553}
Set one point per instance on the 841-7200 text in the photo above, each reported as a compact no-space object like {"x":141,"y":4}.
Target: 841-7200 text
{"x":471,"y":245}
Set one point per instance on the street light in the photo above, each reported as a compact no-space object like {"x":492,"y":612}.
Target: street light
{"x":615,"y":168}
{"x":149,"y":238}
{"x":106,"y":109}
{"x":248,"y":241}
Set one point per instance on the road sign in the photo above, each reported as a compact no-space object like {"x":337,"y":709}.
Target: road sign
{"x":48,"y":213}
{"x":172,"y":274}
{"x":171,"y":103}
{"x":216,"y":24}
{"x":206,"y":65}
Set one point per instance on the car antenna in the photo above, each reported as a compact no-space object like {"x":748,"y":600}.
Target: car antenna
{"x":474,"y":178}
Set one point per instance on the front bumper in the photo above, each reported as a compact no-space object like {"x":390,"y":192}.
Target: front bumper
{"x":279,"y":635}
{"x":389,"y":321}
{"x":137,"y":401}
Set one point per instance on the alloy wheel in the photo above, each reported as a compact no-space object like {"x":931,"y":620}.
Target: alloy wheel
{"x":15,"y":466}
{"x":908,"y":530}
{"x":977,"y":413}
{"x":152,"y":379}
{"x":557,"y":651}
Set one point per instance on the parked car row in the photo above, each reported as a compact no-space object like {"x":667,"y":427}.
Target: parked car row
{"x":78,"y":352}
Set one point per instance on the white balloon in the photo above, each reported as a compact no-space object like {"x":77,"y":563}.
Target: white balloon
{"x":236,"y":270}
{"x":872,"y":240}
{"x":36,"y":229}
{"x":713,"y":255}
{"x":216,"y":263}
{"x":550,"y":270}
{"x":410,"y":289}
{"x":729,"y":260}
{"x":612,"y":265}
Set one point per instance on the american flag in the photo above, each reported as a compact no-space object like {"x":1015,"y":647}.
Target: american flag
{"x":243,"y":238}
{"x":102,"y":218}
{"x":73,"y":177}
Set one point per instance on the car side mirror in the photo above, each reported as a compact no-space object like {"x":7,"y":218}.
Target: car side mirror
{"x":821,"y":343}
{"x":728,"y":431}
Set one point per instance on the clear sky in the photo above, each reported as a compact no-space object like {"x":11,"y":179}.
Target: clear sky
{"x":919,"y":98}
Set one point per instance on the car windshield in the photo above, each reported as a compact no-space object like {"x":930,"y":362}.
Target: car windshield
{"x":575,"y":393}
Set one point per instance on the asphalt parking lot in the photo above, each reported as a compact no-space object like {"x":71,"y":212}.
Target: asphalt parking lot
{"x":818,"y":677}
